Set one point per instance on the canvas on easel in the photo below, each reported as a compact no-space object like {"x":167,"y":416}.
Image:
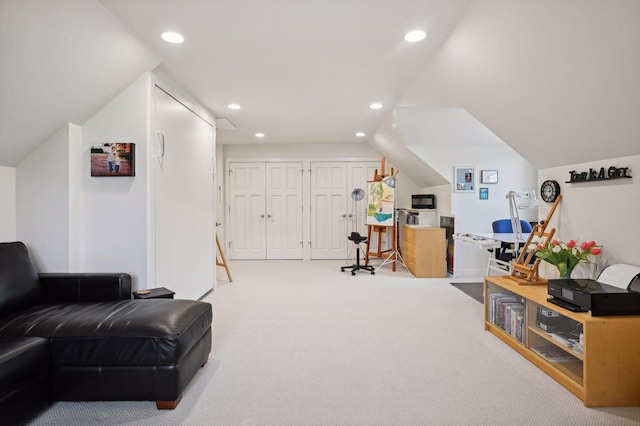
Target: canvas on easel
{"x":381,"y":202}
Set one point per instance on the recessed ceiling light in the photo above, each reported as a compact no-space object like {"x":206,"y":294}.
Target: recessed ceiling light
{"x":233,"y":106}
{"x":415,"y":35}
{"x":360,"y":134}
{"x":259,"y":135}
{"x":375,"y":105}
{"x":172,"y":37}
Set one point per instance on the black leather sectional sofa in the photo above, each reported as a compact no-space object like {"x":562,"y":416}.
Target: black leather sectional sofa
{"x":80,"y":337}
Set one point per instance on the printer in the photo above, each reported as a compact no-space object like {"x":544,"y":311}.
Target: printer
{"x":615,"y":292}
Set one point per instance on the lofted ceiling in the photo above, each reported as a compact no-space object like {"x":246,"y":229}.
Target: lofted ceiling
{"x":556,"y":81}
{"x":302,"y":71}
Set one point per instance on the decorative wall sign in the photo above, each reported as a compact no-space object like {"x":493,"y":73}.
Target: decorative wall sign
{"x":113,"y":159}
{"x":602,"y":174}
{"x":464,"y":179}
{"x":488,"y":176}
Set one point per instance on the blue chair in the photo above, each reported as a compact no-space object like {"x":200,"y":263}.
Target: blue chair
{"x":506,"y":252}
{"x":503,"y":226}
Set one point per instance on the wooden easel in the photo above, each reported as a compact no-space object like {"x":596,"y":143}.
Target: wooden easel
{"x":223,"y":260}
{"x":379,"y":230}
{"x":521,"y":271}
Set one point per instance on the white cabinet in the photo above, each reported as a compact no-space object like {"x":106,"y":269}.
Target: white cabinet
{"x":265,"y":210}
{"x":183,"y":200}
{"x":334,"y":214}
{"x":268,"y":214}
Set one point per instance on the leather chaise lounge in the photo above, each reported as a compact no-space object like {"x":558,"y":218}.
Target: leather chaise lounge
{"x":80,"y":337}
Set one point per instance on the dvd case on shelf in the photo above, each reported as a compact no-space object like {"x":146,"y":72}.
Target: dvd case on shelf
{"x":554,"y":354}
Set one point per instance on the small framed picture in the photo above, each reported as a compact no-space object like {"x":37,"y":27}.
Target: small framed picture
{"x":484,"y":193}
{"x":489,"y":176}
{"x":113,"y":159}
{"x":464,"y":179}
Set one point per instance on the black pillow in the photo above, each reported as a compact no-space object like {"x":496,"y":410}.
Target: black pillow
{"x":19,"y":284}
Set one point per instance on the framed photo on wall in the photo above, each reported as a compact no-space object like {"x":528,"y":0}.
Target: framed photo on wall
{"x":113,"y":159}
{"x":489,"y":176}
{"x":464,"y":179}
{"x":484,"y":193}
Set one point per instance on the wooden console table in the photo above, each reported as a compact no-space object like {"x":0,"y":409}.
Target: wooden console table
{"x":604,"y":372}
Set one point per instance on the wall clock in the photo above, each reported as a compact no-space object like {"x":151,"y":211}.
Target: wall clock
{"x":550,"y":190}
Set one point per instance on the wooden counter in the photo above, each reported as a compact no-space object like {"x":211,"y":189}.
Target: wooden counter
{"x":424,"y":251}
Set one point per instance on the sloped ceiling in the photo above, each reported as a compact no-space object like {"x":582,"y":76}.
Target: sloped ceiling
{"x":303,"y":71}
{"x":61,"y":61}
{"x":555,"y":80}
{"x":558,"y":81}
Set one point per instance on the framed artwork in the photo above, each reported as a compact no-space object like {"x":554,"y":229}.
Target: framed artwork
{"x":489,"y":176}
{"x":113,"y":159}
{"x":464,"y":179}
{"x":484,"y":193}
{"x":380,"y":210}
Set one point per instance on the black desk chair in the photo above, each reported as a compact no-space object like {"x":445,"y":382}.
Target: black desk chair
{"x":357,"y":239}
{"x":507,"y":252}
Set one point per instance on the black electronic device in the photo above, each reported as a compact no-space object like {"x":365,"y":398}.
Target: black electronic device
{"x":423,"y":201}
{"x":568,"y":306}
{"x":601,"y":299}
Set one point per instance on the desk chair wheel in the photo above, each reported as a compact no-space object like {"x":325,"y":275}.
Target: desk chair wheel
{"x":357,"y":239}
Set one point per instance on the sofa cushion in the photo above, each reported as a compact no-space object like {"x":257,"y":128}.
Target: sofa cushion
{"x":25,"y":383}
{"x":124,"y":333}
{"x":21,"y":361}
{"x":19,"y":285}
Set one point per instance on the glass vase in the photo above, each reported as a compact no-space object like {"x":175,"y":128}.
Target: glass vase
{"x":566,"y":275}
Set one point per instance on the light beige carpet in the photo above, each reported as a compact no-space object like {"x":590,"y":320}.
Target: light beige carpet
{"x":300,"y":343}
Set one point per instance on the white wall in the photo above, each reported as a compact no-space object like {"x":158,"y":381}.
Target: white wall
{"x":545,"y":76}
{"x":42,"y":203}
{"x":8,"y":201}
{"x":603,"y":211}
{"x":473,"y":215}
{"x":446,"y":138}
{"x":74,"y":222}
{"x":322,"y":152}
{"x":114,"y":209}
{"x":353,"y":151}
{"x":443,"y":197}
{"x":75,"y":198}
{"x":307,"y":153}
{"x":405,"y":187}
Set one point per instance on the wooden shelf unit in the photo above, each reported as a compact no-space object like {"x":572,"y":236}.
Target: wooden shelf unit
{"x":607,"y":374}
{"x":424,"y":251}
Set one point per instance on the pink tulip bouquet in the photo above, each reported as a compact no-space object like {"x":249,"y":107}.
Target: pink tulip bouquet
{"x":565,"y":256}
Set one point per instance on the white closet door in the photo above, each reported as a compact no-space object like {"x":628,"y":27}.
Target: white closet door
{"x":328,"y":210}
{"x":359,"y":173}
{"x":248,"y":218}
{"x":284,"y":210}
{"x":184,"y":205}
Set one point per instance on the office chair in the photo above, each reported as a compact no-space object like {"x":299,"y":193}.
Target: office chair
{"x":503,"y":226}
{"x":357,"y":239}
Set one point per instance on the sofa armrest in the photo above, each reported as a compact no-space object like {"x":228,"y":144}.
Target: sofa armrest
{"x":85,"y":287}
